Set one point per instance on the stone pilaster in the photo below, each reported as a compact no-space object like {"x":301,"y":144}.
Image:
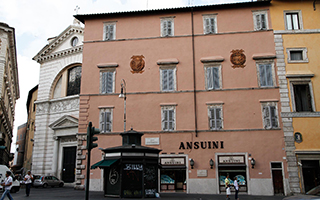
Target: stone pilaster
{"x":294,"y":184}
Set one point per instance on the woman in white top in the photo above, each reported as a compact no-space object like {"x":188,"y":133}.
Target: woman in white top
{"x":28,"y":181}
{"x":236,"y":187}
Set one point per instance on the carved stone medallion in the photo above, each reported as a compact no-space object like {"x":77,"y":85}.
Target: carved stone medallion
{"x":238,"y":58}
{"x":137,"y":64}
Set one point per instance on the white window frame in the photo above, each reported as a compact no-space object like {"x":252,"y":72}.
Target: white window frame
{"x":215,"y":27}
{"x":304,"y":55}
{"x":301,"y":81}
{"x":218,"y":66}
{"x":102,"y":124}
{"x":266,"y":107}
{"x":299,"y":18}
{"x":210,"y":118}
{"x":113,"y":71}
{"x":265,"y":62}
{"x":105,"y":32}
{"x":169,"y":67}
{"x":164,"y":32}
{"x":255,"y":23}
{"x":163,"y":117}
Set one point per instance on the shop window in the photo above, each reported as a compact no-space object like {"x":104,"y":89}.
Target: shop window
{"x":167,"y":27}
{"x":293,"y":20}
{"x":105,"y":120}
{"x":210,"y":24}
{"x":260,"y":20}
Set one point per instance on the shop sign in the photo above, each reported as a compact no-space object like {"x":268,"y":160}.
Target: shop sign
{"x":172,"y":161}
{"x":202,"y":145}
{"x":137,"y":167}
{"x":231,"y":160}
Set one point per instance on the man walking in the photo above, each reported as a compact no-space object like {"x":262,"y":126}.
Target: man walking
{"x":7,"y":184}
{"x":28,"y":181}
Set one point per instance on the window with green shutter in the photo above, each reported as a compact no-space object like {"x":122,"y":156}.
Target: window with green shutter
{"x":109,"y":31}
{"x":270,"y":117}
{"x":107,"y":79}
{"x":215,"y":118}
{"x":167,"y":27}
{"x":167,"y":79}
{"x":168,"y":119}
{"x":105,"y":120}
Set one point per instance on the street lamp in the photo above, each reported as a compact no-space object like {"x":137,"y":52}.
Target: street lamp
{"x":123,"y":94}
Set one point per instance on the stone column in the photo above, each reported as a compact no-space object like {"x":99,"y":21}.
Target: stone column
{"x":55,"y":156}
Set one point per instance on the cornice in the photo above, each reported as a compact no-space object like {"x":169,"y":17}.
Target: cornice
{"x":45,"y":52}
{"x":60,"y":54}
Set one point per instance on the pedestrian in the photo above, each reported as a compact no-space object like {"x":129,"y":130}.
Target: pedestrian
{"x":28,"y":181}
{"x":7,"y":184}
{"x":236,"y":187}
{"x":227,"y":183}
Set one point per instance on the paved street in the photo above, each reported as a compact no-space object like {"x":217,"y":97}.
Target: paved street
{"x":71,"y":194}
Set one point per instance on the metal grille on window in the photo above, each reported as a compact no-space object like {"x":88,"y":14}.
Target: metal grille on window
{"x":266,"y":78}
{"x":168,"y":121}
{"x":215,"y":118}
{"x":167,"y":79}
{"x":270,"y":117}
{"x":74,"y":81}
{"x":107,"y":82}
{"x":261,"y":22}
{"x":209,"y":25}
{"x":213,"y":81}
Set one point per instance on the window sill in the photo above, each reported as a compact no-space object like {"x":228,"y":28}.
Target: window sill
{"x":300,"y":114}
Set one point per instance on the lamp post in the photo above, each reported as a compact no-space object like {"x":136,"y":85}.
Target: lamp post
{"x":123,"y":94}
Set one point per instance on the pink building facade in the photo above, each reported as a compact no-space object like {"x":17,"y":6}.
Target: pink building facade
{"x":201,"y":85}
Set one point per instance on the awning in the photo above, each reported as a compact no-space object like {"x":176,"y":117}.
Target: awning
{"x":104,"y":163}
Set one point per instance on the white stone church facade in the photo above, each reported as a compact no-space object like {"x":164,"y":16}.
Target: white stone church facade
{"x":57,"y":106}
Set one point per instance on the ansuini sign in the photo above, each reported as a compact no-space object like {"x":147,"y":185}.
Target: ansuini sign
{"x":202,"y":145}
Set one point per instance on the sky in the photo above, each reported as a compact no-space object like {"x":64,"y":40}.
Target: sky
{"x":37,"y":20}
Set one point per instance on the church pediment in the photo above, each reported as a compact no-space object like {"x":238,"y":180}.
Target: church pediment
{"x":62,"y":45}
{"x":65,"y":122}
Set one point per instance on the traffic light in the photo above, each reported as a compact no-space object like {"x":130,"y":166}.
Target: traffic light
{"x":91,"y":131}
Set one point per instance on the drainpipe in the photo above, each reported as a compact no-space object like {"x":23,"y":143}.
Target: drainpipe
{"x":194,"y":77}
{"x":314,"y":5}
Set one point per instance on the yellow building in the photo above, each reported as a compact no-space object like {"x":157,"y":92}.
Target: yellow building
{"x":296,"y":26}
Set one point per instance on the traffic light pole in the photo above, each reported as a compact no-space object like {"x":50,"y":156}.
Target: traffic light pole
{"x":88,"y":159}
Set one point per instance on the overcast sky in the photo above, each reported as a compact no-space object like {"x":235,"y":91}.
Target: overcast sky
{"x":37,"y":20}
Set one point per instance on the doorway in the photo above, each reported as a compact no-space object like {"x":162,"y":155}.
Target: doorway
{"x":69,"y":164}
{"x":311,"y":175}
{"x":277,"y":178}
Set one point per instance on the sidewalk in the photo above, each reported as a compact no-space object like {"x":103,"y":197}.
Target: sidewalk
{"x":71,"y":194}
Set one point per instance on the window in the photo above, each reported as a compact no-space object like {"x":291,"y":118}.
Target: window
{"x":213,"y":74}
{"x":168,"y":79}
{"x":293,"y":20}
{"x":260,"y":20}
{"x":107,"y":81}
{"x":209,"y":24}
{"x":215,"y":117}
{"x":74,"y":81}
{"x":167,"y":27}
{"x":270,"y":115}
{"x":105,"y":120}
{"x":302,"y":97}
{"x":266,"y":76}
{"x":74,"y":41}
{"x":168,"y":118}
{"x":109,"y":32}
{"x":297,"y":55}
